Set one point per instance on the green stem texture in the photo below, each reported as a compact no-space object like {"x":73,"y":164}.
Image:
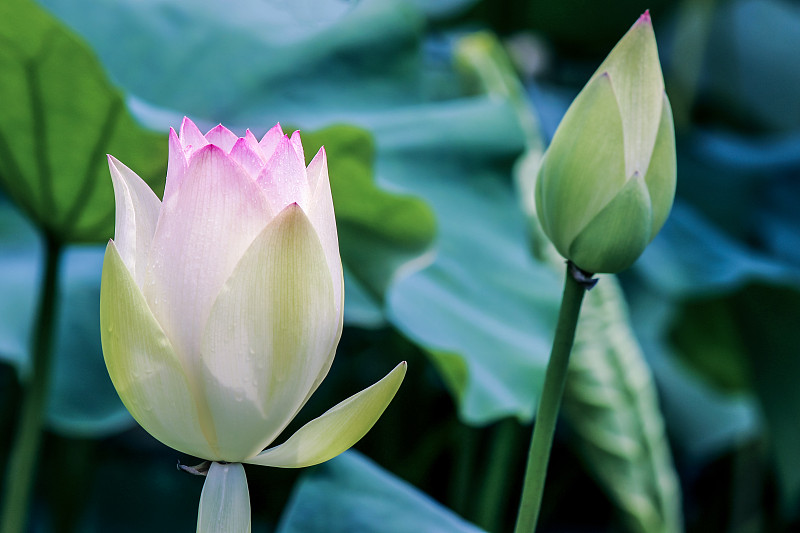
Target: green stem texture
{"x":547,"y":415}
{"x":22,"y":461}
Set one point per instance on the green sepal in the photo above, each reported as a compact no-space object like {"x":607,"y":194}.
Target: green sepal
{"x":584,"y":167}
{"x":638,"y":85}
{"x":661,"y":176}
{"x":618,"y":235}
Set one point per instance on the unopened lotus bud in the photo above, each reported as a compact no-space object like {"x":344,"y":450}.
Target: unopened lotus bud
{"x":607,"y":181}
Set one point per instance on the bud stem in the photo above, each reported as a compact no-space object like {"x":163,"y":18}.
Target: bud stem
{"x":22,"y":461}
{"x":547,"y":415}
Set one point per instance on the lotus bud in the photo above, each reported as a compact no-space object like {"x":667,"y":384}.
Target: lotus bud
{"x":221,"y":309}
{"x":607,"y":181}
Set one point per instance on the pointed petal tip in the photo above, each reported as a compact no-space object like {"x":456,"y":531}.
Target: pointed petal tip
{"x":187,"y":123}
{"x":645,"y":18}
{"x":208,"y":149}
{"x":218,"y":128}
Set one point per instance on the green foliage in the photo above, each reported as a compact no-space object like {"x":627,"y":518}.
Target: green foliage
{"x":707,"y":337}
{"x":59,"y":116}
{"x":767,"y":318}
{"x":381,"y":233}
{"x":484,"y":300}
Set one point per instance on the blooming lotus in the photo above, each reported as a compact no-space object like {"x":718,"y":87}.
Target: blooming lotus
{"x":221,"y":306}
{"x":607,"y":181}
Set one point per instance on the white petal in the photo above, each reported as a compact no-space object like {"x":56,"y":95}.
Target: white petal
{"x":323,"y":219}
{"x":177,"y":165}
{"x":137,"y":208}
{"x":145,"y":371}
{"x":270,"y":333}
{"x":225,"y":500}
{"x":201,"y":235}
{"x":284,"y":177}
{"x":337,"y":429}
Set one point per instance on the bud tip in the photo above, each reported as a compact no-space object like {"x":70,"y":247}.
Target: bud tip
{"x":645,"y":18}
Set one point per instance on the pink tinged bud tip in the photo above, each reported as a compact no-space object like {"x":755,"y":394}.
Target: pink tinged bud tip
{"x":645,"y":18}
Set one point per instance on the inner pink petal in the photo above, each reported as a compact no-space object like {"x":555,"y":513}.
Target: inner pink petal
{"x":191,"y":137}
{"x":250,"y":159}
{"x":298,"y":146}
{"x":252,"y":142}
{"x":222,"y":137}
{"x":270,"y":140}
{"x":176,"y":165}
{"x":284,"y":178}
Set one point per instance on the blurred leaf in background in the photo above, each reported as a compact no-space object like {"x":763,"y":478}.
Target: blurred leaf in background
{"x":59,"y":117}
{"x":351,"y":493}
{"x":381,"y":234}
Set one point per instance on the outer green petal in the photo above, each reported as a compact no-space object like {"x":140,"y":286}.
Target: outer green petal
{"x":225,"y":500}
{"x":137,"y":209}
{"x":618,"y":235}
{"x":337,"y":429}
{"x":143,"y":365}
{"x":271,"y":332}
{"x":661,"y":176}
{"x":584,"y":167}
{"x":638,"y":84}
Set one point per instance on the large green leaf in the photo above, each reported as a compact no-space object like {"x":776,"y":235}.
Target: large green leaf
{"x":353,"y":494}
{"x":59,"y":116}
{"x":295,"y":60}
{"x":485,"y":310}
{"x":753,"y":45}
{"x":704,"y":421}
{"x":381,"y":234}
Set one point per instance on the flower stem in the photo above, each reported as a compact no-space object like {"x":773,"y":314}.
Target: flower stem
{"x":25,"y":449}
{"x":575,"y":286}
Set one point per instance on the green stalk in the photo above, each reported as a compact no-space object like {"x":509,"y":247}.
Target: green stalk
{"x":547,"y":415}
{"x":25,"y":449}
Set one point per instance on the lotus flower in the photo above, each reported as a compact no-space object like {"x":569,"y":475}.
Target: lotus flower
{"x":607,"y":181}
{"x":221,"y":307}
